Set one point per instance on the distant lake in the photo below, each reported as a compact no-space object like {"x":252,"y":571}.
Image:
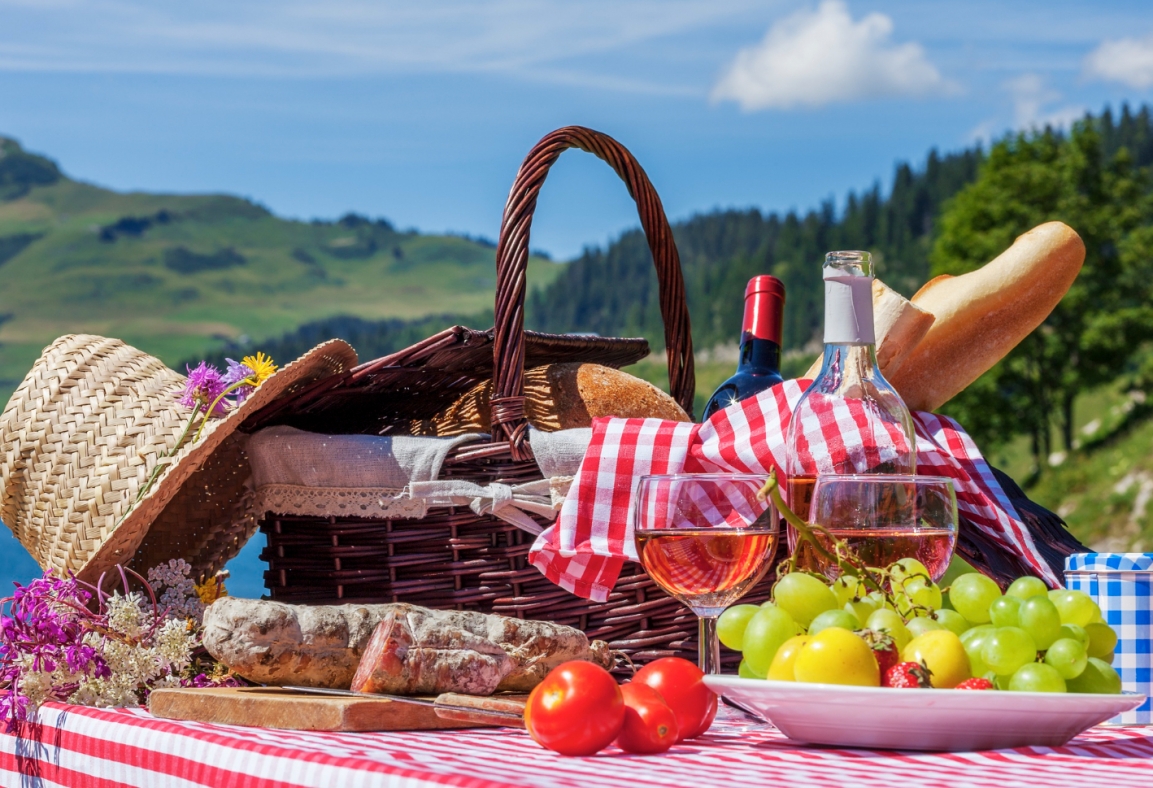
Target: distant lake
{"x":247,"y":580}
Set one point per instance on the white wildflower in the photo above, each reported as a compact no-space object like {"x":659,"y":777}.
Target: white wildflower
{"x":174,"y":644}
{"x":126,"y":615}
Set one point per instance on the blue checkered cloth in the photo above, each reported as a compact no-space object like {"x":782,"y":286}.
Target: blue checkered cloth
{"x":1122,"y":586}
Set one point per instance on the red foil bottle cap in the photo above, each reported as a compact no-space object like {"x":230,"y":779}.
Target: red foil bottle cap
{"x":764,"y":305}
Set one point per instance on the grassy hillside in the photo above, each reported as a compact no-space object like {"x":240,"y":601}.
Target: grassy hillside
{"x":181,"y":275}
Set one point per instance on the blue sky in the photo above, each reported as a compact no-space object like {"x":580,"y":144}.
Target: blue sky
{"x":421,"y":112}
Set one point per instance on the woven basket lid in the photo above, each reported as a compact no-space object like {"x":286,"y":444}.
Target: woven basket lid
{"x":84,"y":431}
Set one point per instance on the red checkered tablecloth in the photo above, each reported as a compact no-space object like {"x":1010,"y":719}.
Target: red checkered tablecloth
{"x":102,"y":748}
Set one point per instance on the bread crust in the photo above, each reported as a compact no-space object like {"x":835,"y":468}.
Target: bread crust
{"x":982,"y":315}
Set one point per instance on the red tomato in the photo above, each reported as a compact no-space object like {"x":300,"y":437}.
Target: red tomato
{"x":650,"y":725}
{"x":681,"y":684}
{"x":577,"y":710}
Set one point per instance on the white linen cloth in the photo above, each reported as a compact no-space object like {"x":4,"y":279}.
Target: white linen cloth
{"x":305,"y":473}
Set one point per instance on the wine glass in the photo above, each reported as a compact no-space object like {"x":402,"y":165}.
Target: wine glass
{"x":882,"y":518}
{"x":706,"y":540}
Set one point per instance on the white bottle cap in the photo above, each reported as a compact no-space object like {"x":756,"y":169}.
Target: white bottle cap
{"x":848,"y":298}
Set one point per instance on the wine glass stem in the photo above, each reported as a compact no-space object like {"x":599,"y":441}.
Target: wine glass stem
{"x":709,"y":648}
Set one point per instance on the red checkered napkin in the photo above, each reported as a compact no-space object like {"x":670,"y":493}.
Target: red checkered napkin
{"x":593,"y":537}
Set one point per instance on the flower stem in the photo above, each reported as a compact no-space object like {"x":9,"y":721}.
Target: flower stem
{"x":249,"y":381}
{"x":159,"y":467}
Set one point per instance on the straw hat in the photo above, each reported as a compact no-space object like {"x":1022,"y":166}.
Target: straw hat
{"x":86,"y":429}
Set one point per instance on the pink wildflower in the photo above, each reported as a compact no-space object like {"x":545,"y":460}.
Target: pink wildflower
{"x":203,"y":386}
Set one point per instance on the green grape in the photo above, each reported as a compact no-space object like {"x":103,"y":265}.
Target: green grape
{"x":1075,"y":607}
{"x":904,"y":605}
{"x":731,"y":625}
{"x":879,"y":600}
{"x":923,"y":592}
{"x":952,"y":621}
{"x":973,"y":645}
{"x":1108,"y":660}
{"x":765,"y":633}
{"x":972,"y":594}
{"x":1027,"y":587}
{"x":1036,"y":677}
{"x":1080,"y":634}
{"x":1102,"y":640}
{"x":973,"y":632}
{"x":1039,"y":617}
{"x":803,"y":597}
{"x":745,"y":672}
{"x":834,"y":618}
{"x":889,"y":621}
{"x":861,"y":608}
{"x":768,"y":603}
{"x":1067,"y":657}
{"x":905,"y":570}
{"x":1008,"y":648}
{"x":1097,"y":677}
{"x":847,"y":587}
{"x":1003,"y":611}
{"x":1000,"y":682}
{"x":920,"y":625}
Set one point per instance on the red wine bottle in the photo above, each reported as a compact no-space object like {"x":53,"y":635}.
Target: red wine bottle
{"x":760,"y":361}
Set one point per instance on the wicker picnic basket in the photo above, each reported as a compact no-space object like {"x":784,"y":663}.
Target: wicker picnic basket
{"x":453,"y":558}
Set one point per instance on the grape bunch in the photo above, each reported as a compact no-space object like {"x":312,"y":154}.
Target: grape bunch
{"x":910,"y":632}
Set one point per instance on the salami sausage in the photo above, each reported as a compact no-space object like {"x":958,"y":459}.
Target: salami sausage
{"x":321,"y":646}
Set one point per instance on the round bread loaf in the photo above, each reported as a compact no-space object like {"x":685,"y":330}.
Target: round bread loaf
{"x":560,"y":397}
{"x":982,"y":315}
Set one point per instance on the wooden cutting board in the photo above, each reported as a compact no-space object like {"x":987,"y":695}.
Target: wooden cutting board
{"x":274,"y":707}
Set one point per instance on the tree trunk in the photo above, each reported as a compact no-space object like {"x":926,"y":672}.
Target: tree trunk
{"x":1067,"y":420}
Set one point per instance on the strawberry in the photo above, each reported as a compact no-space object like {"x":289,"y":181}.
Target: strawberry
{"x":975,"y":684}
{"x":907,"y":675}
{"x":884,"y":648}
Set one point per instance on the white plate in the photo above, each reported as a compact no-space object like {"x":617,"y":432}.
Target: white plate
{"x":921,"y":719}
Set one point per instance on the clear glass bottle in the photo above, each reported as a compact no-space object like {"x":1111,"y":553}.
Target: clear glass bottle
{"x":849,"y":391}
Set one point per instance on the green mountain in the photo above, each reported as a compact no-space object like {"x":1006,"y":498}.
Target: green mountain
{"x":183,"y":275}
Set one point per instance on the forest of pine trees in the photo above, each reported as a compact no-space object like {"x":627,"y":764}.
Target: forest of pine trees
{"x":612,"y":291}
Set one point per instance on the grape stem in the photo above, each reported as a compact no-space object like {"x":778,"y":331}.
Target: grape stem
{"x":844,"y":557}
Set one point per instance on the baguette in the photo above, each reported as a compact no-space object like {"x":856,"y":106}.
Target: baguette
{"x":898,"y":325}
{"x":982,"y":315}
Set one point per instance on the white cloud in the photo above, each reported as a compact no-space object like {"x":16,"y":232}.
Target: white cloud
{"x":1126,"y":60}
{"x":535,"y":40}
{"x":1032,"y":100}
{"x":1033,"y":103}
{"x":812,"y":58}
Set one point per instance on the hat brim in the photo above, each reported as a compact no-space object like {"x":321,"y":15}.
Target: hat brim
{"x":328,"y":358}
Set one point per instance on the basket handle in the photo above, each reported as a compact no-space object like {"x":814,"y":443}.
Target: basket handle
{"x":512,"y":251}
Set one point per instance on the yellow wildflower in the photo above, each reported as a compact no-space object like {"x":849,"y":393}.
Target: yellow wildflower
{"x":211,"y":589}
{"x":261,"y":366}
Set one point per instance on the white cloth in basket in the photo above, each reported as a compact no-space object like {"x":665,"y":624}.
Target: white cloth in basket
{"x":305,"y":473}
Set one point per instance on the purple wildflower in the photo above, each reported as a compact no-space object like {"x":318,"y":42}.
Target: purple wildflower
{"x":235,"y":373}
{"x":46,"y":623}
{"x":203,"y":386}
